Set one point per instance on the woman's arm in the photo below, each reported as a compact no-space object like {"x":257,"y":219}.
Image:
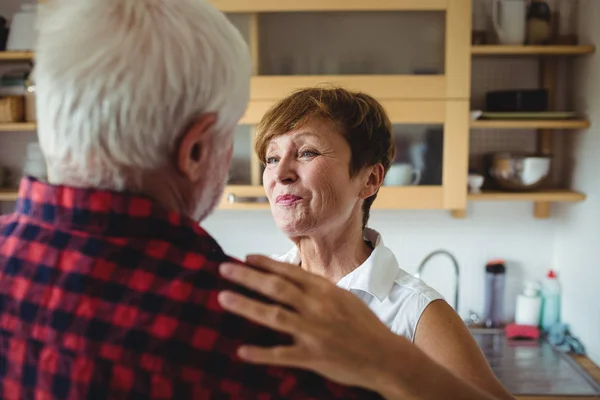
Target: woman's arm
{"x":444,"y":338}
{"x":337,"y":336}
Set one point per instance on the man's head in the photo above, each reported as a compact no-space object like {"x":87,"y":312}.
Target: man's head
{"x":141,"y":95}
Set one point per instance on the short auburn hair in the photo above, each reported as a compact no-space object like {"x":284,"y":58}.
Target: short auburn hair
{"x":360,"y":118}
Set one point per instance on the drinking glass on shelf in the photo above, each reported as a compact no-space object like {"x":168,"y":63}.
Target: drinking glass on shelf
{"x":567,"y":22}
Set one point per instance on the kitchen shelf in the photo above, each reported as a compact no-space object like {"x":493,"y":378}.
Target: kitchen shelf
{"x":530,"y":124}
{"x":542,"y":200}
{"x":8,"y":194}
{"x":16,"y":56}
{"x":18,"y":127}
{"x":546,"y":196}
{"x":254,"y":6}
{"x":504,"y":50}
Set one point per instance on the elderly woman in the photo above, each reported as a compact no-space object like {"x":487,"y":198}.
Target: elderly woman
{"x":326,"y":152}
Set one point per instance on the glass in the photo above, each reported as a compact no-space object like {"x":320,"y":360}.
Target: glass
{"x":240,"y":172}
{"x":567,"y":23}
{"x":352,"y":43}
{"x":419,"y":156}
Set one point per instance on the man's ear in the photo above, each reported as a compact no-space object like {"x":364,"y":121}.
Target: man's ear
{"x":373,"y":182}
{"x":194,"y":147}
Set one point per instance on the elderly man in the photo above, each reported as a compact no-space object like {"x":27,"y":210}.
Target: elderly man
{"x":109,"y":286}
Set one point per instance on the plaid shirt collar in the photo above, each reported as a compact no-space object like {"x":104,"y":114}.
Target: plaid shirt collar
{"x":107,"y":213}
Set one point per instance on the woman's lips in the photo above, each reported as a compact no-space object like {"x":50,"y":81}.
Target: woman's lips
{"x":287,"y":199}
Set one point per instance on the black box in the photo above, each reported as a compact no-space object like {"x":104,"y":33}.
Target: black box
{"x":534,"y":100}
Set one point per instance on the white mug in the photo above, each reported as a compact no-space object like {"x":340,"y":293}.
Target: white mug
{"x":402,"y":174}
{"x":510,"y":21}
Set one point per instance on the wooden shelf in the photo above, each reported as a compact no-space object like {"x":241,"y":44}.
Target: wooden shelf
{"x":8,"y":194}
{"x":16,"y":56}
{"x":18,"y":127}
{"x":253,"y":6}
{"x":394,"y":87}
{"x":399,"y":111}
{"x":530,"y":124}
{"x":503,"y":50}
{"x":547,"y":196}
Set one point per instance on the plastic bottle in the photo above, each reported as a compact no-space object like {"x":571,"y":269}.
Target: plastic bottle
{"x":550,"y":301}
{"x":529,"y":305}
{"x":494,"y":293}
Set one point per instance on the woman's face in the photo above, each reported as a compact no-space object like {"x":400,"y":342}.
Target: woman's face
{"x":307,"y":181}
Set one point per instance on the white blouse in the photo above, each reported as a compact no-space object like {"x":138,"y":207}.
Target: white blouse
{"x":395,"y":296}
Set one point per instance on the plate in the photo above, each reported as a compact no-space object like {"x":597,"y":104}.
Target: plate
{"x":529,"y":115}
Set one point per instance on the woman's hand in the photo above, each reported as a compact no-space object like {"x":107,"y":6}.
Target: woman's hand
{"x":332,"y":328}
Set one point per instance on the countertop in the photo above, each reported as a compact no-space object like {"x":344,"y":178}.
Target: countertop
{"x":532,"y":370}
{"x":592,"y":369}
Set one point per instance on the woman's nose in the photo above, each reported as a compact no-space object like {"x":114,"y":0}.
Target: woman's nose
{"x":286,"y":171}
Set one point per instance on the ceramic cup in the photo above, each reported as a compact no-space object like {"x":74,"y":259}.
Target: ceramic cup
{"x":475,"y":182}
{"x":402,"y":174}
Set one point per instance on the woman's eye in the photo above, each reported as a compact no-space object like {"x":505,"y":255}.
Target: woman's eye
{"x":308,"y":154}
{"x":271,"y":160}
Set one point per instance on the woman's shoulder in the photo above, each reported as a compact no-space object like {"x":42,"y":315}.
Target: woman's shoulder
{"x":413,"y":286}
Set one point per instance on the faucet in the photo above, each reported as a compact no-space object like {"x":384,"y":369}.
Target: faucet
{"x":456,"y":271}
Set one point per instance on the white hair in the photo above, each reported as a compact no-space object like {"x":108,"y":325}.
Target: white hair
{"x":119,"y":81}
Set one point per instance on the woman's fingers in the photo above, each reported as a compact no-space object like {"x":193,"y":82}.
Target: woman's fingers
{"x":282,"y":356}
{"x":271,"y":316}
{"x":272,"y":286}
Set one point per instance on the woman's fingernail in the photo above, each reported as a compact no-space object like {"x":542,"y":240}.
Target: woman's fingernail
{"x":226,"y":269}
{"x":225,"y":299}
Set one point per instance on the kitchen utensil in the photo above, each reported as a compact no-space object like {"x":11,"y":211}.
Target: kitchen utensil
{"x":23,"y":34}
{"x":402,"y":174}
{"x":509,"y":20}
{"x":475,"y":182}
{"x":518,"y":171}
{"x":535,"y":100}
{"x":529,"y":115}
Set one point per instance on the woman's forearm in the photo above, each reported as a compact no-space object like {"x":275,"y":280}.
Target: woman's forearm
{"x":409,"y":374}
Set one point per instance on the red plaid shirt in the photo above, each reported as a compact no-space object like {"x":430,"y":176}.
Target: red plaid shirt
{"x":106,"y":296}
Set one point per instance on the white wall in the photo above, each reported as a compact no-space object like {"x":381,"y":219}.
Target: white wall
{"x":577,"y":250}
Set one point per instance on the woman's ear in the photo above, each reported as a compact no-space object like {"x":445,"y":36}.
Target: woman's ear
{"x":194,"y":147}
{"x":373,"y":182}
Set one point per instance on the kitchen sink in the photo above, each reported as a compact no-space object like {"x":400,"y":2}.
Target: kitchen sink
{"x":534,"y":367}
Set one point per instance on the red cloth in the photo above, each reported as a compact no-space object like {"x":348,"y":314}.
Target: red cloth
{"x":107,"y":296}
{"x":514,"y":331}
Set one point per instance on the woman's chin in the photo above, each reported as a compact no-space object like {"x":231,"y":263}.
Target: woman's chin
{"x":293,"y":228}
